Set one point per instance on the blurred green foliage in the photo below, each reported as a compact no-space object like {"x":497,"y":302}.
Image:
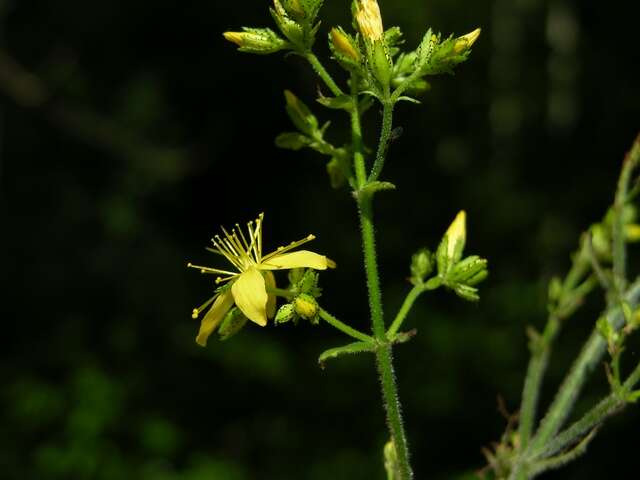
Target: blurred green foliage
{"x":154,"y":132}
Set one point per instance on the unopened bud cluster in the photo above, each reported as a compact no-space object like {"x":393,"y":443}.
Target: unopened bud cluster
{"x":303,"y":285}
{"x":452,"y":270}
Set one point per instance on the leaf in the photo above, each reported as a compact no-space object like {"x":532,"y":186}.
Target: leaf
{"x":343,"y":102}
{"x":292,"y":141}
{"x":375,"y":187}
{"x":409,"y":99}
{"x":352,"y":348}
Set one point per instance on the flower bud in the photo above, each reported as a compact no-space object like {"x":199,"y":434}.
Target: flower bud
{"x":380,"y":63}
{"x":285,"y":314}
{"x":632,"y":232}
{"x":300,"y":114}
{"x":295,"y":8}
{"x":290,"y":28}
{"x":343,"y":47}
{"x":464,"y":42}
{"x":450,"y":249}
{"x":466,"y":292}
{"x":467,"y":269}
{"x":261,"y":41}
{"x":306,"y":306}
{"x":391,"y":464}
{"x":421,"y":265}
{"x":369,"y":20}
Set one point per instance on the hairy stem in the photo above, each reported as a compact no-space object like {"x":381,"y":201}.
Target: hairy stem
{"x":383,"y":353}
{"x":384,"y":359}
{"x":383,"y":145}
{"x":323,"y":74}
{"x":568,"y":393}
{"x":607,"y":407}
{"x":343,"y":327}
{"x":413,"y":295}
{"x":356,"y":134}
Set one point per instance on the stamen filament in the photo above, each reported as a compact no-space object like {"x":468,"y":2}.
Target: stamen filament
{"x":210,"y":270}
{"x":292,"y":245}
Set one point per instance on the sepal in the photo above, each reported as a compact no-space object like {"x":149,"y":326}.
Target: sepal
{"x":233,"y":322}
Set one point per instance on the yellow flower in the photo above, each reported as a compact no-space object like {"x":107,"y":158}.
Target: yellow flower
{"x":252,"y":276}
{"x":369,"y":20}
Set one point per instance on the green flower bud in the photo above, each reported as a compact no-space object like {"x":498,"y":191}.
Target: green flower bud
{"x":308,"y":283}
{"x":421,"y":265}
{"x":391,"y":464}
{"x":601,"y":241}
{"x":632,"y":232}
{"x":608,"y":332}
{"x":300,"y":115}
{"x":336,"y":173}
{"x":380,"y":63}
{"x":306,"y":306}
{"x":292,"y":141}
{"x":289,"y":27}
{"x":285,"y":314}
{"x":555,"y":290}
{"x":468,"y":269}
{"x":233,"y":322}
{"x":261,"y":41}
{"x":464,"y":42}
{"x":466,"y":292}
{"x":345,"y":49}
{"x":452,"y":245}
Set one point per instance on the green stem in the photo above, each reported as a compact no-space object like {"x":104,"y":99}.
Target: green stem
{"x":618,"y":228}
{"x":607,"y":407}
{"x":323,"y":74}
{"x":589,"y":357}
{"x":356,"y":134}
{"x":343,"y":327}
{"x":383,"y":353}
{"x":531,"y":393}
{"x":413,"y":295}
{"x":327,"y":317}
{"x":542,"y":351}
{"x":383,"y":144}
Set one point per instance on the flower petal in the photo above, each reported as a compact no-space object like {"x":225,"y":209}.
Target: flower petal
{"x":214,"y":316}
{"x":270,"y":282}
{"x":250,"y":294}
{"x":299,"y":259}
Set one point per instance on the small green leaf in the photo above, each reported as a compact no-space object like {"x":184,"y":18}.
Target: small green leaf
{"x":352,"y":348}
{"x":292,"y":141}
{"x":409,"y":99}
{"x":374,"y":187}
{"x":343,"y":102}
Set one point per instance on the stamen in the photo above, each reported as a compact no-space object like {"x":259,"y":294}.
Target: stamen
{"x":254,"y":233}
{"x":291,"y":246}
{"x":244,"y":240}
{"x":197,"y":311}
{"x":225,"y":279}
{"x":259,"y":227}
{"x":210,"y":270}
{"x":217,"y":242}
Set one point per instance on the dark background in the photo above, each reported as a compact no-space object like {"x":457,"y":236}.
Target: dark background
{"x":131,"y":130}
